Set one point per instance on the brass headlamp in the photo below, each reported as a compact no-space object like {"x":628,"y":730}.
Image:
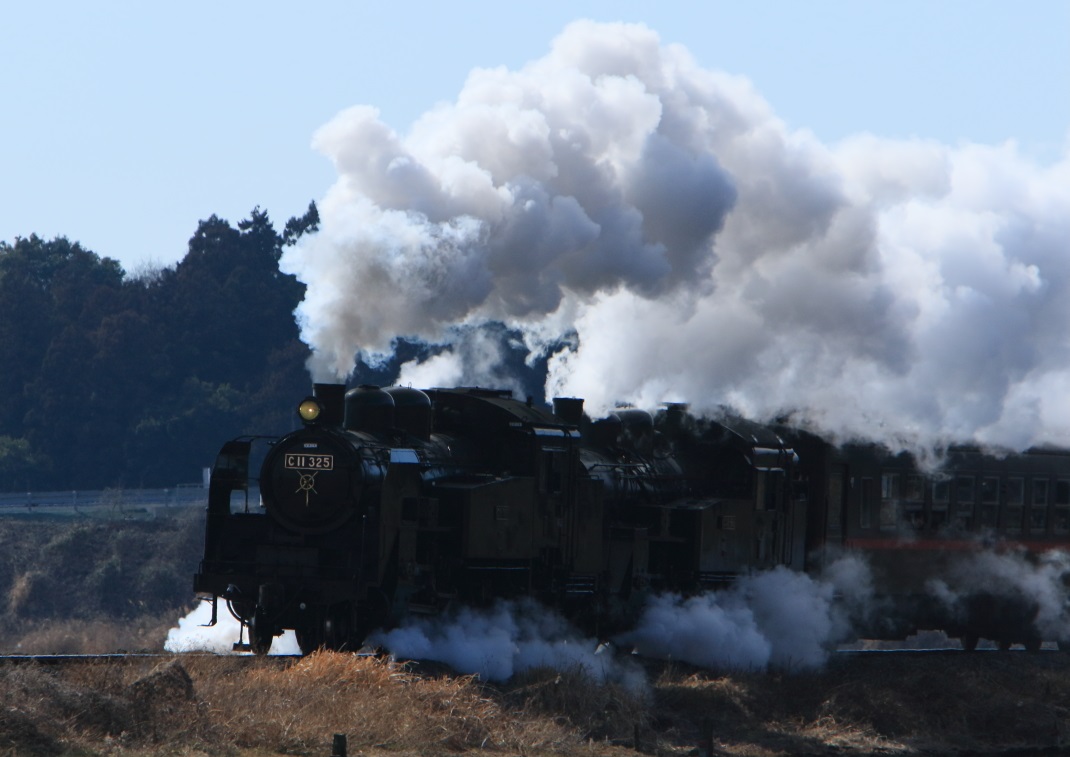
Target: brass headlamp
{"x":309,"y":410}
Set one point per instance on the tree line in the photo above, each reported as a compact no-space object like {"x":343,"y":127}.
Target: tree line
{"x":109,"y":379}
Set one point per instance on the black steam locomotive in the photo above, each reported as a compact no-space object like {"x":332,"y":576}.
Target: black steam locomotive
{"x":394,"y":502}
{"x":390,"y":502}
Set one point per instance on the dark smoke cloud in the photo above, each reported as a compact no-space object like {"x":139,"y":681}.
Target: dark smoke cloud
{"x":695,"y":248}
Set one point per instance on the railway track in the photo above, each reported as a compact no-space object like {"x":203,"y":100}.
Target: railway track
{"x":71,"y":659}
{"x":115,"y":657}
{"x":941,"y":652}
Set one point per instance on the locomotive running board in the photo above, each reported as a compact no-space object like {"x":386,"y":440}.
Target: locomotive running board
{"x":580,"y":585}
{"x":717,"y":579}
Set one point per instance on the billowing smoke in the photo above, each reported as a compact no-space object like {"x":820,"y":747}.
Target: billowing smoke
{"x":691,"y":246}
{"x":509,"y":638}
{"x":777,"y":618}
{"x":477,"y":357}
{"x":1021,"y":585}
{"x":192,"y":634}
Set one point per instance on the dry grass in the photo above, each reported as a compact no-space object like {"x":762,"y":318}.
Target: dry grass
{"x":888,"y":704}
{"x":379,"y":704}
{"x":193,"y":705}
{"x":201,"y":704}
{"x":100,"y":635}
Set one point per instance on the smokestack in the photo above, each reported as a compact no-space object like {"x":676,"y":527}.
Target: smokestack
{"x":569,"y":410}
{"x":333,"y":398}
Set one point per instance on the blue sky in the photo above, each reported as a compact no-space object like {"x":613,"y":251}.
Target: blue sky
{"x":126,"y":123}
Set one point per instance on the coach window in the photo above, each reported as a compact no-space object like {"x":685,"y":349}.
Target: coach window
{"x":1038,"y":510}
{"x":941,"y":498}
{"x":989,"y":502}
{"x":1061,"y":513}
{"x":1014,"y":501}
{"x":867,"y":501}
{"x":834,"y":524}
{"x":965,"y":497}
{"x":891,"y":494}
{"x":914,"y":500}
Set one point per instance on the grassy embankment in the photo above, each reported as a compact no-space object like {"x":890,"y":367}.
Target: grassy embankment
{"x":90,"y":586}
{"x":95,"y":584}
{"x":983,"y":703}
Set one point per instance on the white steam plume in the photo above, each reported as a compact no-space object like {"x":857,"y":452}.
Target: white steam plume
{"x":698,"y":249}
{"x":1039,"y":582}
{"x":476,"y":359}
{"x":777,"y":618}
{"x":509,"y":638}
{"x":193,"y":635}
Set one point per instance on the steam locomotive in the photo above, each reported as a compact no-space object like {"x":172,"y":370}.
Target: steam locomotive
{"x":394,"y":502}
{"x":390,"y":502}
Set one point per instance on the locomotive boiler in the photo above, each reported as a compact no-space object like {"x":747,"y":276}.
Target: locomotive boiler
{"x":392,"y":502}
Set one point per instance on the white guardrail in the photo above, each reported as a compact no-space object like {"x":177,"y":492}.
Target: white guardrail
{"x":117,"y":499}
